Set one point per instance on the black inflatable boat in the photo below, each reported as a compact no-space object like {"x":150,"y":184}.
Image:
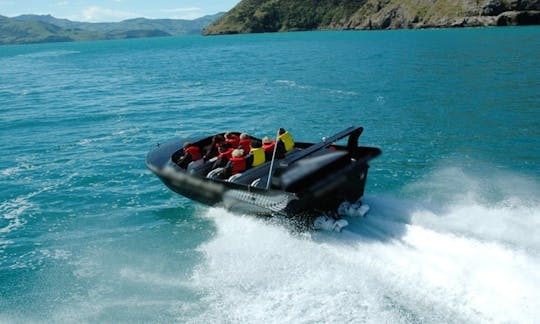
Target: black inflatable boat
{"x":313,"y":179}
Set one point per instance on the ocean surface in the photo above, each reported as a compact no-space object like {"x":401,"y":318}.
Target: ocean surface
{"x":88,"y":234}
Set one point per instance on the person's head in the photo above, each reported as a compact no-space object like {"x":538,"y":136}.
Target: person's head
{"x":218,"y":138}
{"x":223,"y":147}
{"x":256,"y":144}
{"x":187,"y":144}
{"x":282,"y":131}
{"x":238,"y":153}
{"x":229,"y":135}
{"x":244,"y":136}
{"x":266,"y":140}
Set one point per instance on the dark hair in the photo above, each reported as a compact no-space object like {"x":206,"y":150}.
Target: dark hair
{"x":256,"y":144}
{"x":218,"y":138}
{"x":224,"y":146}
{"x":282,"y":131}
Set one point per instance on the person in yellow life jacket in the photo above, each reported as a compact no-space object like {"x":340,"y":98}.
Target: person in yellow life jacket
{"x":256,"y":154}
{"x":286,"y":138}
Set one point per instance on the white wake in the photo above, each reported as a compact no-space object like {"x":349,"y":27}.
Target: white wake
{"x":469,"y":260}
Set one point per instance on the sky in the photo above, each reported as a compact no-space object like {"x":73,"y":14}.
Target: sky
{"x":115,"y":10}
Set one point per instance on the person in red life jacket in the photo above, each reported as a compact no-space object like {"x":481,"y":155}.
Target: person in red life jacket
{"x":191,"y":153}
{"x":232,"y":139}
{"x":225,"y":154}
{"x":237,"y":163}
{"x":213,"y":149}
{"x":268,"y":147}
{"x":245,"y":142}
{"x":268,"y":144}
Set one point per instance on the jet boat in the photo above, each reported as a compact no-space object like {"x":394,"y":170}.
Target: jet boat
{"x":314,"y":180}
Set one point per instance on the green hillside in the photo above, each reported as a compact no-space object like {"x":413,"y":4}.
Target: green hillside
{"x":17,"y":32}
{"x":253,"y":16}
{"x":170,"y":26}
{"x":27,"y":29}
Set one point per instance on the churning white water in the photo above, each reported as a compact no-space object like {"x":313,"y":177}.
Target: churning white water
{"x":466,"y":260}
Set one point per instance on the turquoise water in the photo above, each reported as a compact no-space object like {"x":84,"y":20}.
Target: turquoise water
{"x":87,"y":234}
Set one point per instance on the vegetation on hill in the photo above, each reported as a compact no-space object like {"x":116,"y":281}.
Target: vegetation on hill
{"x":253,"y":16}
{"x":17,"y":32}
{"x":45,"y":28}
{"x":169,"y":26}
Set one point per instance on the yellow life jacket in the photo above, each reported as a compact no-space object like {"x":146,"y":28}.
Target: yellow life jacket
{"x":287,"y":140}
{"x":258,"y":156}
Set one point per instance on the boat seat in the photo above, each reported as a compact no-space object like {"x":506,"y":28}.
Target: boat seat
{"x":194,"y":166}
{"x":214,"y":173}
{"x":255,"y":182}
{"x":252,"y":174}
{"x":234,"y":177}
{"x":260,"y":182}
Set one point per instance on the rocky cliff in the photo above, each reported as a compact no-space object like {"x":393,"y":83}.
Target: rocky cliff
{"x":253,"y":16}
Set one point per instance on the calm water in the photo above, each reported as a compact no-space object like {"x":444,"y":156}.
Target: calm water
{"x":87,"y":234}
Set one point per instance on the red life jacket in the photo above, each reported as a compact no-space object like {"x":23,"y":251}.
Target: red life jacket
{"x":239,"y":164}
{"x":194,"y":152}
{"x":246,"y":145}
{"x":269,"y":147}
{"x":234,"y":141}
{"x":227,"y":154}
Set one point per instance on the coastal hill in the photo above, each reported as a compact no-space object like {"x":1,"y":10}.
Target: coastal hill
{"x":27,"y":29}
{"x":255,"y":16}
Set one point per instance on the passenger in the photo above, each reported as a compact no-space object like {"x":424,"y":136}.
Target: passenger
{"x":213,"y":149}
{"x":225,"y":154}
{"x":268,"y":146}
{"x":232,"y":139}
{"x":286,"y":138}
{"x":256,"y":156}
{"x":191,"y":153}
{"x":245,"y":142}
{"x":237,"y":163}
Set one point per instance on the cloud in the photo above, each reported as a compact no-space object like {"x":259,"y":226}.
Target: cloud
{"x":183,"y":13}
{"x":182,"y":9}
{"x":99,"y":14}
